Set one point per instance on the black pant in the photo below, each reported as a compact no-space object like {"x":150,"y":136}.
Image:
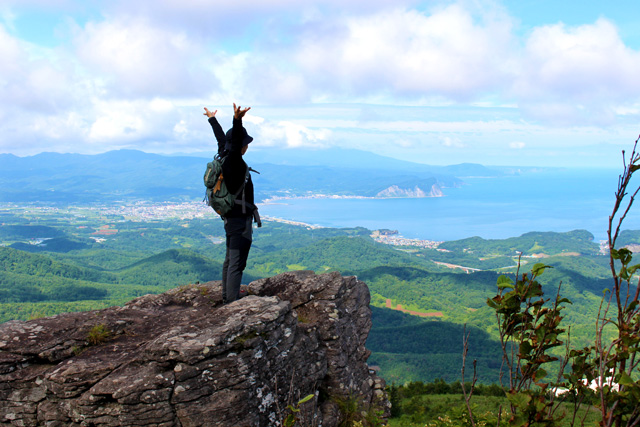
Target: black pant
{"x":238,"y":232}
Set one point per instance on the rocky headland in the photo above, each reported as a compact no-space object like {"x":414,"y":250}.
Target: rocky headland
{"x":408,"y":191}
{"x":183,"y":359}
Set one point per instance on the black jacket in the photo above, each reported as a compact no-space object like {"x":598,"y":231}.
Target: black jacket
{"x":234,"y":167}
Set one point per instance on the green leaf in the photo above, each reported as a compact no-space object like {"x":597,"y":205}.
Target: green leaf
{"x":505,"y":282}
{"x":540,"y":374}
{"x":535,"y":290}
{"x":626,"y":380}
{"x":624,"y":255}
{"x":491,"y":303}
{"x":525,"y":348}
{"x":540,"y":332}
{"x":305,"y":399}
{"x":290,"y":421}
{"x":624,"y":274}
{"x":633,"y":269}
{"x":539,"y":268}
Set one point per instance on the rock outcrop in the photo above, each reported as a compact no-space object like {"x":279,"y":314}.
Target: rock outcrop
{"x":411,"y":192}
{"x":183,"y":359}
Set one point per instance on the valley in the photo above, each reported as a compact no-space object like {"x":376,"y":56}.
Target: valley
{"x":423,"y":293}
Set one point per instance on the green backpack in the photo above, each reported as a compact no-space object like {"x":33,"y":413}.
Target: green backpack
{"x":217,"y":195}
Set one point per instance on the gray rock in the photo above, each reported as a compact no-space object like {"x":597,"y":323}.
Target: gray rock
{"x":183,"y":358}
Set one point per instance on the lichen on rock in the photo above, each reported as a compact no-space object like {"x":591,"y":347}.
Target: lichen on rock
{"x":182,"y":358}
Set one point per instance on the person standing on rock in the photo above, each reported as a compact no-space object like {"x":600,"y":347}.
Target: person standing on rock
{"x":238,"y":222}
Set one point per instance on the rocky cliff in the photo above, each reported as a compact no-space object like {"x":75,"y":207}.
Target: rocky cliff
{"x":414,"y":192}
{"x":183,"y":359}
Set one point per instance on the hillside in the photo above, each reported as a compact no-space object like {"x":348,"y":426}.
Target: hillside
{"x":170,"y":268}
{"x":408,"y":348}
{"x":549,"y":243}
{"x":345,"y":254}
{"x":129,"y":257}
{"x":49,"y":285}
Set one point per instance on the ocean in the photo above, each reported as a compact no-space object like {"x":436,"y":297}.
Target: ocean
{"x":491,"y":208}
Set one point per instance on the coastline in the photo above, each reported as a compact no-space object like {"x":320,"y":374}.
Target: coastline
{"x":275,"y":199}
{"x":393,"y":239}
{"x":290,"y":222}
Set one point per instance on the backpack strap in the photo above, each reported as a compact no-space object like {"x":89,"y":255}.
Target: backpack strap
{"x":243,"y":202}
{"x":240,"y":192}
{"x":216,"y":187}
{"x":256,"y":214}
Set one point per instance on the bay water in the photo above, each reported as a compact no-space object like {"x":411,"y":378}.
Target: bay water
{"x":491,"y":208}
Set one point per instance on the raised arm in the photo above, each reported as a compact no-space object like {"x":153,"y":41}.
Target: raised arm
{"x":238,"y":131}
{"x":217,"y":129}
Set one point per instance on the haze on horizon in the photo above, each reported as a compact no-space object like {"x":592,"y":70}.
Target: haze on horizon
{"x":530,"y":83}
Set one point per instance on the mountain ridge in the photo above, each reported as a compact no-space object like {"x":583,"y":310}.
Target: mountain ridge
{"x":135,"y":175}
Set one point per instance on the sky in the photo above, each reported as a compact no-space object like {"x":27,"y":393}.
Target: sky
{"x":512,"y":82}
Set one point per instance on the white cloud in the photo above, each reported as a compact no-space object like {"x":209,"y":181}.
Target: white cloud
{"x":181,"y":128}
{"x":250,"y":118}
{"x":12,"y":54}
{"x":139,"y":59}
{"x":158,"y":105}
{"x":292,"y":135}
{"x":235,"y":19}
{"x":387,"y":54}
{"x":139,"y":75}
{"x":35,"y":80}
{"x":408,"y":53}
{"x":267,"y":82}
{"x":577,"y":74}
{"x":251,"y":78}
{"x":446,"y":125}
{"x":8,"y":18}
{"x":117,"y":124}
{"x":448,"y":141}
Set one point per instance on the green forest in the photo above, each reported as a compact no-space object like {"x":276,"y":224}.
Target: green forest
{"x":56,"y":260}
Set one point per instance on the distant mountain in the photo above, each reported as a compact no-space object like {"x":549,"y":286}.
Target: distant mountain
{"x":19,"y":262}
{"x":331,"y":157}
{"x":358,"y":159}
{"x":57,"y":244}
{"x":535,"y":242}
{"x":115,"y":175}
{"x":135,"y":175}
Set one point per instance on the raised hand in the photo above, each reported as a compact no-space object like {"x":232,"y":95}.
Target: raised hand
{"x":238,"y":112}
{"x":209,"y":113}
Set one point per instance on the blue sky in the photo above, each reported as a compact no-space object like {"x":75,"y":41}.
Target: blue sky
{"x":530,"y":83}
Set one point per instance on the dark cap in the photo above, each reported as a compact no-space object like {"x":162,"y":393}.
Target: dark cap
{"x":246,"y":139}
